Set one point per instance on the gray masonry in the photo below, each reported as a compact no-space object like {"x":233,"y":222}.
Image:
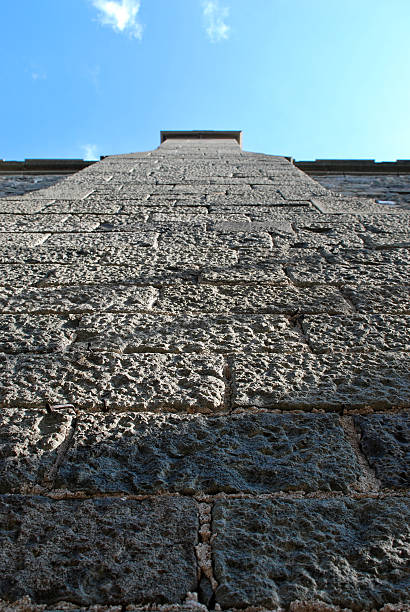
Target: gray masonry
{"x":204,"y":363}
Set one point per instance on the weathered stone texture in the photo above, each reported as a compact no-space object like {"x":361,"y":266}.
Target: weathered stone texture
{"x":77,"y":299}
{"x":40,"y":334}
{"x":29,"y":444}
{"x":191,"y":321}
{"x":260,"y":453}
{"x":158,"y":333}
{"x":101,"y":381}
{"x":251,"y":299}
{"x":378,"y":380}
{"x":361,"y":333}
{"x":385,"y":440}
{"x":339,"y":551}
{"x":390,"y":188}
{"x":101,"y":551}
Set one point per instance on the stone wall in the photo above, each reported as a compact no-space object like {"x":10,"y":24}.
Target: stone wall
{"x":19,"y":184}
{"x":388,"y":189}
{"x":205,"y":385}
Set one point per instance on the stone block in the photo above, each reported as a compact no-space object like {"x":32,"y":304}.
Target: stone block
{"x":245,"y":453}
{"x":356,"y":332}
{"x":349,"y":553}
{"x":10,"y":242}
{"x":77,"y":299}
{"x":224,"y":334}
{"x":385,"y":440}
{"x":98,"y":551}
{"x":103,"y":381}
{"x":36,"y":334}
{"x":29,"y":444}
{"x":389,"y":298}
{"x":23,"y":207}
{"x":336,"y":381}
{"x":82,"y":207}
{"x":349,"y":257}
{"x":251,"y":299}
{"x":339,"y":275}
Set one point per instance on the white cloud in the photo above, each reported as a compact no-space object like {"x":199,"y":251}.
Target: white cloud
{"x":38,"y":76}
{"x":90,"y":151}
{"x":215,"y":16}
{"x":120,"y":15}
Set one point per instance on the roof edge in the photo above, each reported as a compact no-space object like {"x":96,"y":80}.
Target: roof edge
{"x":199,"y":134}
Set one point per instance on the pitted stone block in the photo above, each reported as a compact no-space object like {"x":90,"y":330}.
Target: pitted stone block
{"x":78,"y":299}
{"x":156,"y":333}
{"x":11,"y":242}
{"x":357,"y":333}
{"x":258,"y":453}
{"x":343,"y":552}
{"x":83,"y":207}
{"x":389,"y":298}
{"x":385,"y":440}
{"x":340,"y":275}
{"x":29,"y":444}
{"x":251,"y":299}
{"x":336,"y":381}
{"x":22,"y":207}
{"x":103,"y":381}
{"x":100,"y":551}
{"x":36,"y":334}
{"x":396,"y":257}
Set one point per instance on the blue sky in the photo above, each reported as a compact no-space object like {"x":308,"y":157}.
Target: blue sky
{"x":307,"y":78}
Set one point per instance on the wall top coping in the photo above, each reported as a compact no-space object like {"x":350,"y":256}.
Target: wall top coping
{"x":197,"y":134}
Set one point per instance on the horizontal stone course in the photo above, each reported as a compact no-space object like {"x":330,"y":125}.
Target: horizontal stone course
{"x":335,"y":382}
{"x":389,"y":298}
{"x":262,"y":453}
{"x":78,"y":299}
{"x":357,"y":333}
{"x":339,"y":275}
{"x":188,"y":334}
{"x":385,"y":441}
{"x":36,"y":334}
{"x":100,"y":551}
{"x":349,"y":553}
{"x":251,"y":299}
{"x":104,"y":381}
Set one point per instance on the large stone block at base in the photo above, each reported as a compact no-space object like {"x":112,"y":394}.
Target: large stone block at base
{"x":343,"y":552}
{"x":357,"y":380}
{"x":385,"y":440}
{"x":99,"y":551}
{"x":137,"y":453}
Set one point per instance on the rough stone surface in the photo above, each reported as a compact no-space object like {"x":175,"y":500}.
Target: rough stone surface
{"x":361,"y":333}
{"x":328,"y":274}
{"x":392,"y":190}
{"x":388,"y":298}
{"x":339,"y":551}
{"x":101,"y":381}
{"x":262,"y":453}
{"x":90,"y":552}
{"x":188,"y":334}
{"x":40,"y":334}
{"x":385,"y":440}
{"x":77,"y":299}
{"x":359,"y":380}
{"x":191,"y":321}
{"x":250,"y":299}
{"x":29,"y":444}
{"x":15,"y":185}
